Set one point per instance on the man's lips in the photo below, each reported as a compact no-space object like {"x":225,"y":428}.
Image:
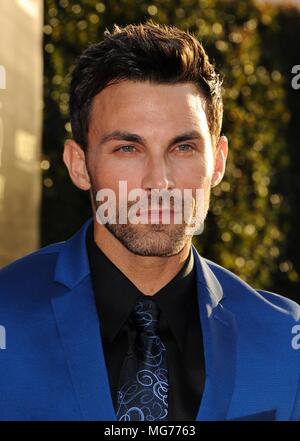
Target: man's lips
{"x":160,"y":214}
{"x":157,"y":212}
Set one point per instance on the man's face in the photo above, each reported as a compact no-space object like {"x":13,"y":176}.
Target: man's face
{"x":152,"y":160}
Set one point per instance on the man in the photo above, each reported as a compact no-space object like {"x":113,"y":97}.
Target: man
{"x":125,"y":320}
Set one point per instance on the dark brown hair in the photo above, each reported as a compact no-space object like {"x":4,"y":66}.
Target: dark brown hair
{"x":144,"y":52}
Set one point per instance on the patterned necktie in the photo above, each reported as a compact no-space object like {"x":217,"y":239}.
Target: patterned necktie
{"x":143,"y":382}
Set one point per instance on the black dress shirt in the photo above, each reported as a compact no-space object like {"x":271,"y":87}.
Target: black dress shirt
{"x":179,"y":328}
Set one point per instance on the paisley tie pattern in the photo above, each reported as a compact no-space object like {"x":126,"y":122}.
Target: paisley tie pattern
{"x":143,"y":383}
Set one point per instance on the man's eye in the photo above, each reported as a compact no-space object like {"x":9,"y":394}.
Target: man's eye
{"x":185,"y":147}
{"x":126,"y":148}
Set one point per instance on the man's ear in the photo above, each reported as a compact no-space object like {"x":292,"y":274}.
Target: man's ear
{"x":74,"y":158}
{"x":220,"y":161}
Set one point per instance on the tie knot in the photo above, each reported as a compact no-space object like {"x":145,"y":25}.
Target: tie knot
{"x":145,"y":315}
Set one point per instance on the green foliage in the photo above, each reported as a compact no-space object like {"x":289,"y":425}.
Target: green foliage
{"x":252,"y":211}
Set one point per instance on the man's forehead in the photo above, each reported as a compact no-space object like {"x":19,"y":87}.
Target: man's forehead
{"x":128,"y":104}
{"x":145,"y":93}
{"x":128,"y":107}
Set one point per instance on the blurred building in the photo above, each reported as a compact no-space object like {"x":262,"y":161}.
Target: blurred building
{"x":20,"y":126}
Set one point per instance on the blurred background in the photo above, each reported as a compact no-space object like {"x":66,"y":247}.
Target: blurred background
{"x":252,"y":226}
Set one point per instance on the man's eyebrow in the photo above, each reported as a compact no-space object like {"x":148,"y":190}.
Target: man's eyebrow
{"x":121,"y":135}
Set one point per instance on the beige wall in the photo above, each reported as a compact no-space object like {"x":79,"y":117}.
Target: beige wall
{"x":20,"y":126}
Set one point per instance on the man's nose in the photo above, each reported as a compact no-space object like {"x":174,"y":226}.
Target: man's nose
{"x":157,"y":175}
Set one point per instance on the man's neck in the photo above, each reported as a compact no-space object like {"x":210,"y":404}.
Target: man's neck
{"x":148,"y":273}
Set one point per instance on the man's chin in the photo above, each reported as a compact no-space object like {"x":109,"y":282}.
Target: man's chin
{"x":159,"y":240}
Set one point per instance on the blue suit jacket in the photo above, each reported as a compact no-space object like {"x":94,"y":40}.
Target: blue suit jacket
{"x":53,"y":366}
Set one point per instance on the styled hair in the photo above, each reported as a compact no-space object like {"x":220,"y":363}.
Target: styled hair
{"x":144,"y":52}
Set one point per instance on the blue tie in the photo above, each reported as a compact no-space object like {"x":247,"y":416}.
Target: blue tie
{"x":143,"y":382}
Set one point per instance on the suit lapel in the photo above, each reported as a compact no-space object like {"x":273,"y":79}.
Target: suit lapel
{"x":219,"y":335}
{"x":78,"y":326}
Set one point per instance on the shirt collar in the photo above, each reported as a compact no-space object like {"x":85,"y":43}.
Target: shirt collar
{"x":175,"y":298}
{"x":116,"y":295}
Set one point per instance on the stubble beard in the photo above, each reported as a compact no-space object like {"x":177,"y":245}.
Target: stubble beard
{"x":161,"y":240}
{"x":151,"y":239}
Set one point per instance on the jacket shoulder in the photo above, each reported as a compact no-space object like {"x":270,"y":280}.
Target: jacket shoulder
{"x":30,"y":268}
{"x":237,"y":290}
